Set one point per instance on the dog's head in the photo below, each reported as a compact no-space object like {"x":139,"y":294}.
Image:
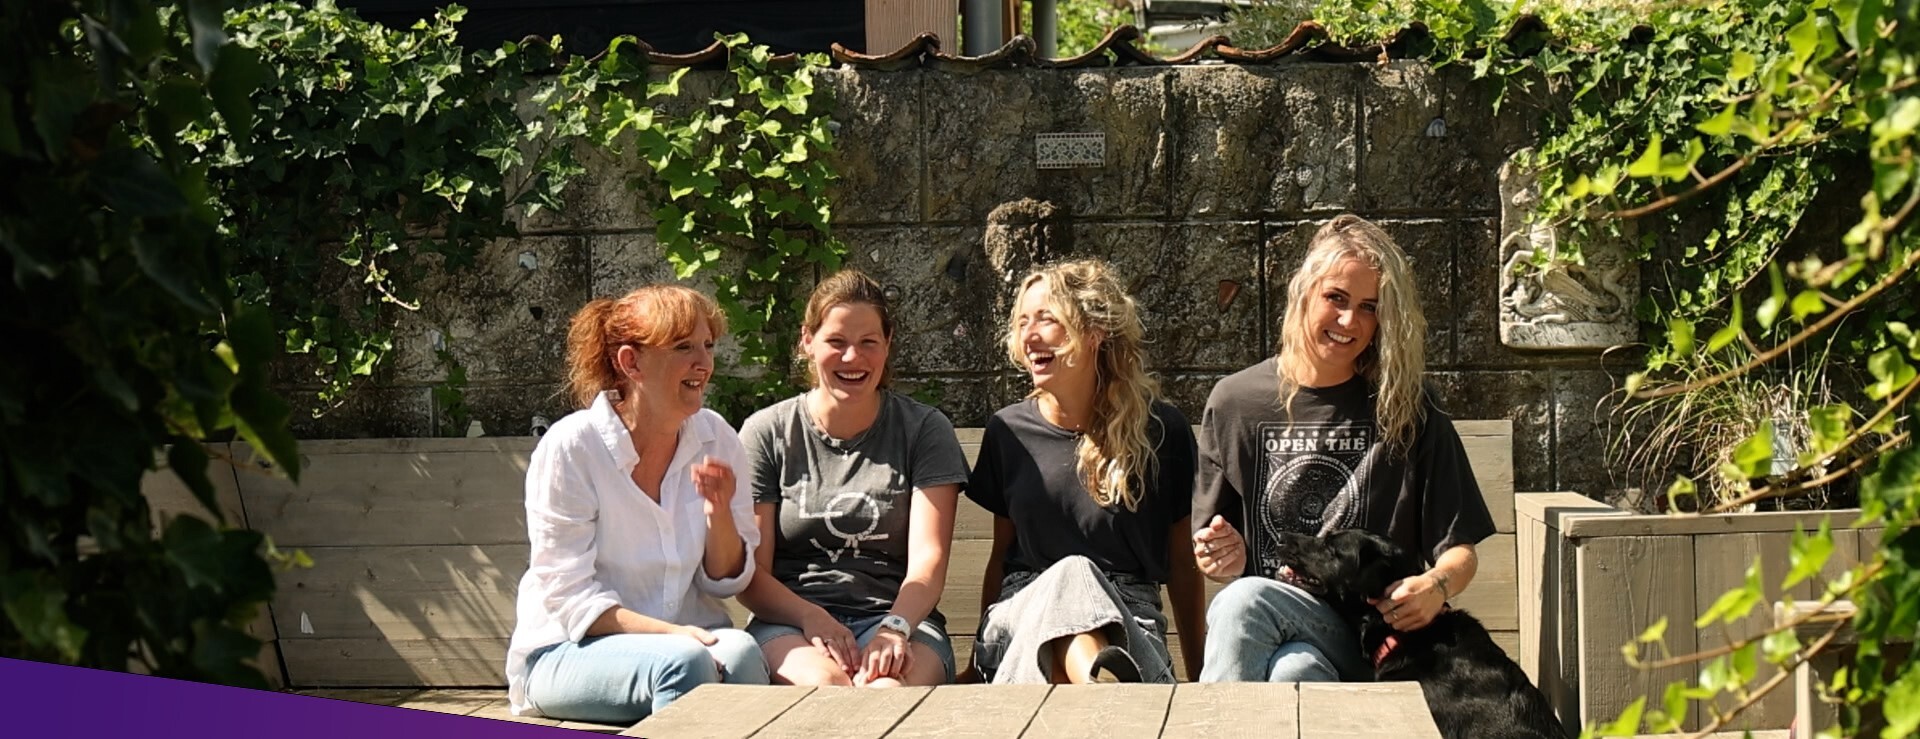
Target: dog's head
{"x":1345,"y":568}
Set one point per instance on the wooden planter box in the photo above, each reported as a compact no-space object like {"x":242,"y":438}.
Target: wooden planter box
{"x":1602,"y":576}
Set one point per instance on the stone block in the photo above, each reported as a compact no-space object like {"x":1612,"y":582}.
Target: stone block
{"x":370,"y":412}
{"x":1429,"y":244}
{"x":981,"y":129}
{"x":1197,"y":285}
{"x":1188,"y":391}
{"x":1585,"y":424}
{"x":943,"y":295}
{"x":878,"y":154}
{"x":621,"y":263}
{"x":1524,"y":397}
{"x":1431,"y":141}
{"x":504,"y":318}
{"x":1251,"y":142}
{"x":968,"y":400}
{"x":511,"y":410}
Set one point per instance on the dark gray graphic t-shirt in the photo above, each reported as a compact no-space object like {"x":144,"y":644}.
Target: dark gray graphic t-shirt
{"x":845,"y":505}
{"x":1323,"y":468}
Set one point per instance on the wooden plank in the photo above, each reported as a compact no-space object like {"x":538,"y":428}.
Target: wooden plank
{"x":592,"y":727}
{"x":720,"y":712}
{"x":1205,"y":711}
{"x":1493,"y":595}
{"x":1531,"y":587}
{"x":399,"y":593}
{"x":844,"y":713}
{"x":455,"y":702}
{"x":1489,"y":446}
{"x":372,"y":696}
{"x":973,"y":712}
{"x":1102,"y":712}
{"x":447,"y":663}
{"x":1722,"y":562}
{"x":168,"y":497}
{"x":1332,"y":710}
{"x":1689,"y":524}
{"x":500,"y":710}
{"x":1546,"y":507}
{"x":1625,"y":584}
{"x":411,"y":494}
{"x":893,"y":23}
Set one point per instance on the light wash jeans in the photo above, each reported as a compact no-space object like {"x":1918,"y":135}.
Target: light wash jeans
{"x":622,"y":678}
{"x":1260,"y":629}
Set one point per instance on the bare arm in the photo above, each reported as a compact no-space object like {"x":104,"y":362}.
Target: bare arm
{"x":996,"y":564}
{"x":1188,"y":592}
{"x":1413,"y":602}
{"x":765,"y":595}
{"x":928,"y":549}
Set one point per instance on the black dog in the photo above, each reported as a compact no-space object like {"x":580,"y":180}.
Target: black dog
{"x":1471,"y":686}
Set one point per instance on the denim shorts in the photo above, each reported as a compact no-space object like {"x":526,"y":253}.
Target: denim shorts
{"x":864,"y":628}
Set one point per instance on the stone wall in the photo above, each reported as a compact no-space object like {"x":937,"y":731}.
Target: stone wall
{"x":1214,"y":178}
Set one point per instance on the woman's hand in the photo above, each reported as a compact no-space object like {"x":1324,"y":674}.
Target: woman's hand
{"x":701,"y":635}
{"x":1219,"y":550}
{"x":1412,"y":602}
{"x":715,"y":481}
{"x":887,"y":655}
{"x":830,"y":636}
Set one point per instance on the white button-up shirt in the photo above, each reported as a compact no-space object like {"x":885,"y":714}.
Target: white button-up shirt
{"x":599,"y":542}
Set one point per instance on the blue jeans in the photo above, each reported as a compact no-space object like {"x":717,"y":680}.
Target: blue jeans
{"x":1260,"y":629}
{"x":622,"y":678}
{"x":864,"y":628}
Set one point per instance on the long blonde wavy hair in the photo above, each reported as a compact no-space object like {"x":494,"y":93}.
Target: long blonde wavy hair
{"x":1087,"y":297}
{"x":1396,"y":358}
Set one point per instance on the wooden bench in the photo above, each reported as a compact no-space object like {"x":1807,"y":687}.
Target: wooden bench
{"x":418,"y":546}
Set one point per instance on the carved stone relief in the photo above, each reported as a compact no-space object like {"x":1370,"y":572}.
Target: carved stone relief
{"x":1549,"y":302}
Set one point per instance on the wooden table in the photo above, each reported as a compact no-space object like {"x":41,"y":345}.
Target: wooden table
{"x":1047,"y":712}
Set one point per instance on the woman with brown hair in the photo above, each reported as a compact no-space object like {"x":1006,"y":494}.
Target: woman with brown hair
{"x":639,"y":524}
{"x":1090,"y":480}
{"x":854,"y":488}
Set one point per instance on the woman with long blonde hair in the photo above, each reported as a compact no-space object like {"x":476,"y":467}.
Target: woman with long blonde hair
{"x":1090,"y":481}
{"x":1336,"y":432}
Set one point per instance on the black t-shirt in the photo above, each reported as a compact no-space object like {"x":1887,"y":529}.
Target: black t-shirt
{"x":1027,"y":472}
{"x":1325,"y":468}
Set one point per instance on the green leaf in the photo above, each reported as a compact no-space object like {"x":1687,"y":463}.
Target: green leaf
{"x":1830,"y":424}
{"x":1808,"y":303}
{"x":1754,"y":456}
{"x":1742,"y":67}
{"x":232,"y":85}
{"x":1891,"y":371}
{"x":1776,"y":300}
{"x":1806,"y":555}
{"x":208,"y":29}
{"x":1627,"y":724}
{"x":134,"y":185}
{"x":1780,"y":646}
{"x":1902,"y":706}
{"x":1745,"y":662}
{"x":1734,"y":604}
{"x":1655,"y":632}
{"x":1720,"y":124}
{"x":1804,"y":39}
{"x":1648,"y":165}
{"x":36,"y":603}
{"x":1727,"y":334}
{"x":1682,"y":487}
{"x":1680,"y":335}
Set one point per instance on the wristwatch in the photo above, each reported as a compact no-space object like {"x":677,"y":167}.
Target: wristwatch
{"x":897,"y":623}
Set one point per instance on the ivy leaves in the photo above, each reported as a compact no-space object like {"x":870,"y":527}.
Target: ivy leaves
{"x":127,"y":339}
{"x":737,"y":191}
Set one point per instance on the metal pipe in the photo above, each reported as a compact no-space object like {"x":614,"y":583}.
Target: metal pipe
{"x":1046,"y":27}
{"x":982,"y":31}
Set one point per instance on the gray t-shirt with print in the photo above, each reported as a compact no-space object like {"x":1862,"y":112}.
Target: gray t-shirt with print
{"x":845,"y":505}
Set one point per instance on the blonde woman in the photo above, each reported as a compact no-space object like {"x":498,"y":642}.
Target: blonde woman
{"x":1090,"y":482}
{"x":1337,"y":432}
{"x":854,"y":488}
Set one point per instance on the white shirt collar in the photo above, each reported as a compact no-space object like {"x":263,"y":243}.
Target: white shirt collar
{"x":613,"y":432}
